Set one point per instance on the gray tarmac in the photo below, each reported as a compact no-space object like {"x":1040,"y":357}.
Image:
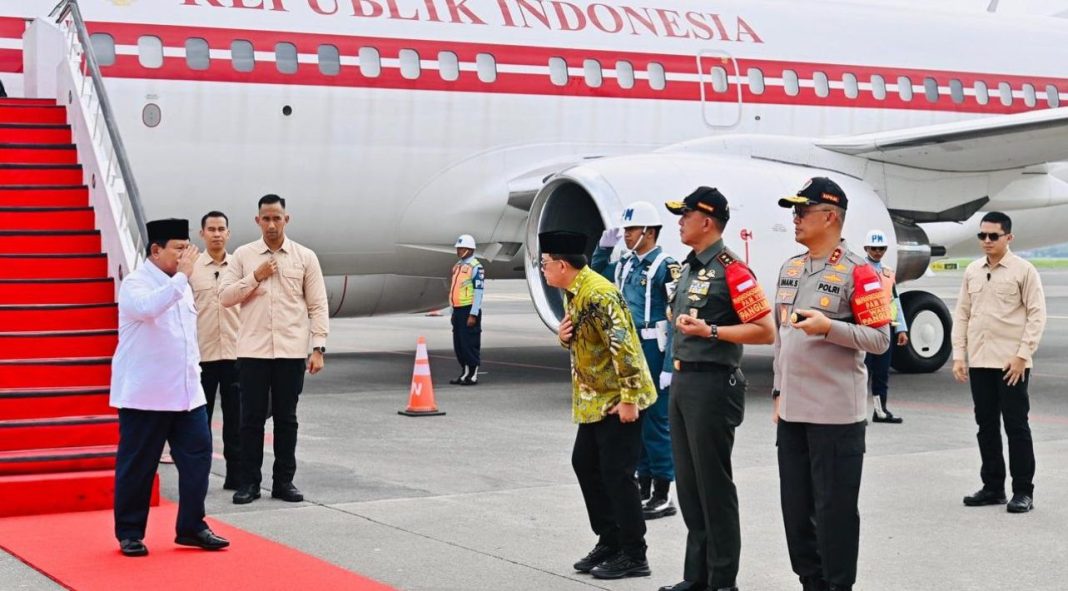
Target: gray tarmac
{"x":484,"y":497}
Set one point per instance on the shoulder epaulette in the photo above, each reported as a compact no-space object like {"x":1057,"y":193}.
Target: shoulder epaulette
{"x":725,"y":257}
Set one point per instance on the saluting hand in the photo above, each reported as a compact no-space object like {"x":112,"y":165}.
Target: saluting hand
{"x":627,"y":411}
{"x":813,"y":322}
{"x":567,"y":330}
{"x":265,"y":270}
{"x":690,"y":326}
{"x":187,"y":259}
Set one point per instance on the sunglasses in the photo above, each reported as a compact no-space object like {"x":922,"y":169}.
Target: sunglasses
{"x":800,"y":212}
{"x":877,"y":248}
{"x":992,"y":236}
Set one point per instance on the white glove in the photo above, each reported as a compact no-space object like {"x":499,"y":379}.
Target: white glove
{"x":665,"y":380}
{"x":609,"y":238}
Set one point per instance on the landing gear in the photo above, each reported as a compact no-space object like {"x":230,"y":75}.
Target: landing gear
{"x":930,"y":327}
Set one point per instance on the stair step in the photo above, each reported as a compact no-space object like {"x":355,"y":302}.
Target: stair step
{"x":56,"y":432}
{"x":27,"y":102}
{"x":56,"y":291}
{"x":39,"y":403}
{"x":58,"y":344}
{"x":55,"y":373}
{"x":41,"y":174}
{"x":44,"y":196}
{"x":38,"y":153}
{"x":54,"y":114}
{"x":53,"y":266}
{"x":65,"y":459}
{"x":34,"y":134}
{"x":51,"y":317}
{"x":47,"y":218}
{"x":47,"y":242}
{"x":63,"y":492}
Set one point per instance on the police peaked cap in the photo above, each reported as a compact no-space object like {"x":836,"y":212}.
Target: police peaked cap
{"x":818,"y":189}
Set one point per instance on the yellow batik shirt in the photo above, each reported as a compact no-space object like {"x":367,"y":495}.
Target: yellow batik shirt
{"x":607,"y":363}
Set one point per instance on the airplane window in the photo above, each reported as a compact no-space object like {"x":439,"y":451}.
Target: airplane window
{"x":150,"y":51}
{"x":849,"y":81}
{"x":1006,"y":93}
{"x":756,"y":80}
{"x":103,"y":48}
{"x":285,"y":58}
{"x":1030,"y":98}
{"x":878,"y":87}
{"x":592,"y":69}
{"x":790,"y":82}
{"x":625,"y":74}
{"x":823,"y":86}
{"x":329,"y":60}
{"x":956,"y":91}
{"x":1053,"y":98}
{"x":196,"y":54}
{"x":904,"y":88}
{"x":370,"y":62}
{"x":657,"y":79}
{"x":558,"y":71}
{"x":409,"y":64}
{"x":930,"y":89}
{"x":486,"y":65}
{"x":448,"y":66}
{"x":719,"y":79}
{"x":982,"y":93}
{"x":241,"y":56}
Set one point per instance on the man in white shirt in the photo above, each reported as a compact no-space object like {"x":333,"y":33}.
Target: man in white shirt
{"x":155,"y":384}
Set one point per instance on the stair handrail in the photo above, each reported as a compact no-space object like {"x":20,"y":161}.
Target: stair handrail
{"x":68,"y":15}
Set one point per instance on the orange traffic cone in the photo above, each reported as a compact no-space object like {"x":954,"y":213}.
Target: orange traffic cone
{"x":421,"y":396}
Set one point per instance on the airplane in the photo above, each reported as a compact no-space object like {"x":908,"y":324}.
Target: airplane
{"x":392,"y":126}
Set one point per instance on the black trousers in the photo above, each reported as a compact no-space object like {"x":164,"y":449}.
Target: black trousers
{"x":466,"y":340}
{"x":819,"y":482}
{"x":141,"y":437}
{"x":274,"y":384}
{"x":221,"y":376}
{"x":993,"y":400}
{"x":704,"y":410}
{"x":604,"y":458}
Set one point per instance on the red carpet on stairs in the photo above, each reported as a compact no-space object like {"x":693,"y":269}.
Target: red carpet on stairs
{"x":79,"y":551}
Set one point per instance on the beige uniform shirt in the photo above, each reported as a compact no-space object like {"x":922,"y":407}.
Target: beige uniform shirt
{"x":280,"y":314}
{"x":1000,"y":314}
{"x":821,"y":378}
{"x":216,"y":325}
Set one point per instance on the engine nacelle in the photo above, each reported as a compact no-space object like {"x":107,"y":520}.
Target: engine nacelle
{"x":590,"y":197}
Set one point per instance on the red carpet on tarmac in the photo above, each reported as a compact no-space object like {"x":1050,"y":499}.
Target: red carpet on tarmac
{"x":79,"y":551}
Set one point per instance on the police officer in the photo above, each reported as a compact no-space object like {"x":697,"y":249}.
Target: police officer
{"x":644,"y":275}
{"x":830,"y":311}
{"x":718,"y":306}
{"x":465,"y":295}
{"x":879,"y":365}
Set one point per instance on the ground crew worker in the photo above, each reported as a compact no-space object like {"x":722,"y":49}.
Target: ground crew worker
{"x":997,"y":325}
{"x":645,"y":275}
{"x":610,"y":389}
{"x":217,"y":334}
{"x":717,"y":306}
{"x":830,"y":310}
{"x":279,"y":285}
{"x":875,"y":244}
{"x":155,"y":386}
{"x":465,"y":296}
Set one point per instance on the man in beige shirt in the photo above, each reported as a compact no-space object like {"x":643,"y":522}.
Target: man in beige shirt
{"x":999,"y":319}
{"x":280,"y":288}
{"x":217,"y":335}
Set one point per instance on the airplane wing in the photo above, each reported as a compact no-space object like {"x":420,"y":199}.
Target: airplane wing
{"x":978,"y":145}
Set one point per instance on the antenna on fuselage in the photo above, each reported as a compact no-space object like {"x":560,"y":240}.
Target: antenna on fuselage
{"x":993,"y":6}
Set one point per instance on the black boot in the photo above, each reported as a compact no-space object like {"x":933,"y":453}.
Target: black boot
{"x":882,"y":414}
{"x":645,"y":487}
{"x":659,"y":504}
{"x":460,"y":380}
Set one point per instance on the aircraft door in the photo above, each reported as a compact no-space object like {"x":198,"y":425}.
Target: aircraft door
{"x":721,"y":89}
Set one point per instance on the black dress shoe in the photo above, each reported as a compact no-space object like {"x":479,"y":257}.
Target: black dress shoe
{"x":685,"y":586}
{"x":1020,"y":503}
{"x":599,"y":554}
{"x":133,"y":547}
{"x":985,"y":497}
{"x":204,"y":539}
{"x":888,"y":417}
{"x":621,"y":566}
{"x":286,"y":492}
{"x":246,"y":494}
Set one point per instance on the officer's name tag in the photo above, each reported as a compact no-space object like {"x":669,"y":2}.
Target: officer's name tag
{"x":700,"y":288}
{"x":649,"y":334}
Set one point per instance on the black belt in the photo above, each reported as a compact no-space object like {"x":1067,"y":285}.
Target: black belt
{"x":702,"y":366}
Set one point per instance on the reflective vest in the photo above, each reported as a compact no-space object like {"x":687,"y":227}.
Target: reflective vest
{"x":462,"y":292}
{"x":889,"y":279}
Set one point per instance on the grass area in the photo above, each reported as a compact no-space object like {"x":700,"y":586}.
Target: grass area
{"x":942,"y":265}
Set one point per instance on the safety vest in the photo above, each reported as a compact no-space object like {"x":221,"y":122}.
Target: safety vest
{"x":889,"y":279}
{"x":462,"y":292}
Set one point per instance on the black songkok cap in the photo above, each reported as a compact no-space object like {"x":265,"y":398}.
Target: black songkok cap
{"x":707,"y":200}
{"x":168,"y":229}
{"x":818,"y":189}
{"x":562,"y":243}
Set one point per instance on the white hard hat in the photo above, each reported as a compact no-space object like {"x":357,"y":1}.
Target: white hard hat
{"x":876,"y":238}
{"x":640,"y":213}
{"x":465,"y":241}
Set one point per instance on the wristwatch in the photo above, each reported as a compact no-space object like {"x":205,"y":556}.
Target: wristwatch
{"x":319,"y":350}
{"x":714,"y":335}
